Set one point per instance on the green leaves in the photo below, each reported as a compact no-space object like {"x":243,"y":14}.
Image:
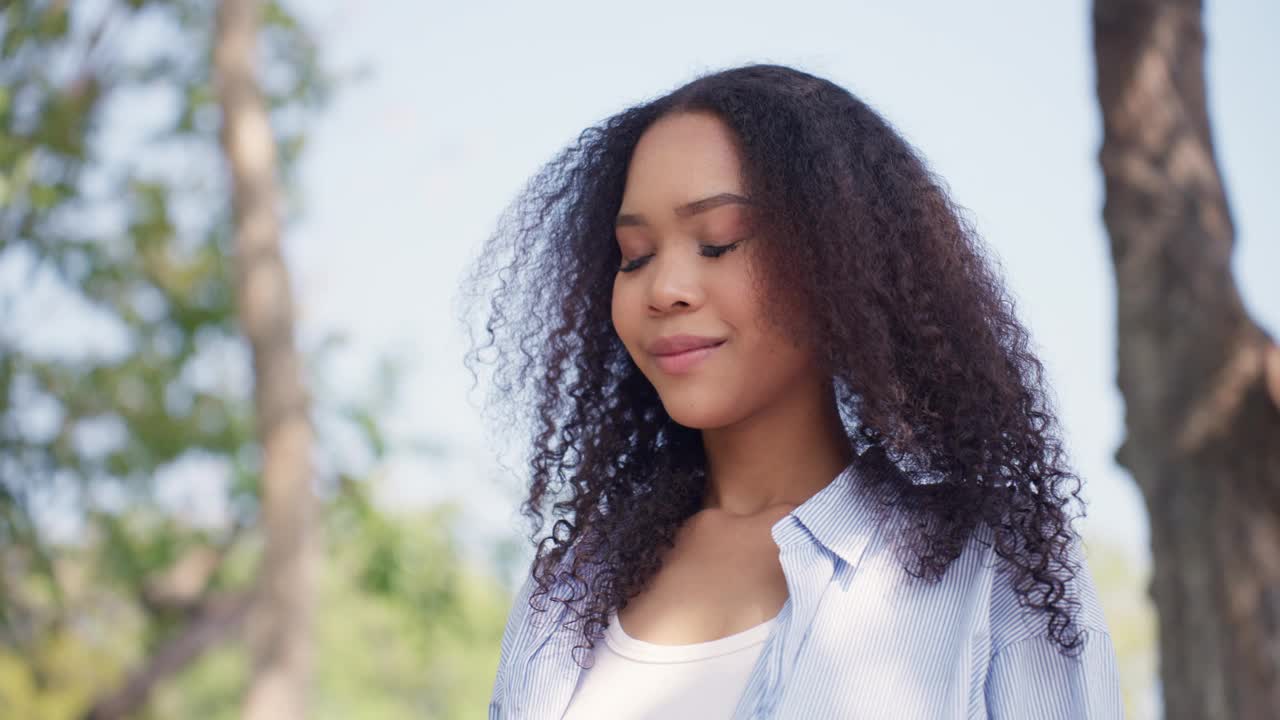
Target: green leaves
{"x":136,"y":240}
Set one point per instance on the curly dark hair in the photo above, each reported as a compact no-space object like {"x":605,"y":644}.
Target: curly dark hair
{"x":868,"y":260}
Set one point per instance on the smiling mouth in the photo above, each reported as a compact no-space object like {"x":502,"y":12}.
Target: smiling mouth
{"x":683,"y":362}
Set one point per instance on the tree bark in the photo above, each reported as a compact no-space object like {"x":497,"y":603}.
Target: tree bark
{"x":280,"y":619}
{"x":1200,"y":379}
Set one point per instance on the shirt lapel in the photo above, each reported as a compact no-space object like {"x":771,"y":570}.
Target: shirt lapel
{"x":808,"y":568}
{"x":835,"y":525}
{"x":544,"y":671}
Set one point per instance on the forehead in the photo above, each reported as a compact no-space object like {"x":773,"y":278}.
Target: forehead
{"x":679,"y":158}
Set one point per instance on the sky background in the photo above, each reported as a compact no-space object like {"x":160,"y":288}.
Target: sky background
{"x":409,"y":170}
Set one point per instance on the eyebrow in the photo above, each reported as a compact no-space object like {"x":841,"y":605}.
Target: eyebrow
{"x":689,"y":209}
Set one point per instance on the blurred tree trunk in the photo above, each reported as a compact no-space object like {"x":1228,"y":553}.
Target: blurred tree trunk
{"x":1201,"y":380}
{"x":280,"y":621}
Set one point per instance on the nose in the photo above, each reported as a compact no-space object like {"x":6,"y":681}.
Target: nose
{"x":674,"y":282}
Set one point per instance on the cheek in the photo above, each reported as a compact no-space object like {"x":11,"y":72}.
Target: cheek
{"x":737,"y":304}
{"x":616,"y":306}
{"x":623,"y":324}
{"x":769,"y":354}
{"x":782,"y":359}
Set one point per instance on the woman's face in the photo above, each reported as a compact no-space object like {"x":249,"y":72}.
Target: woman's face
{"x":671,"y":282}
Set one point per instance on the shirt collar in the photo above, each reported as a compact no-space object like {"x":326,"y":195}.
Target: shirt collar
{"x":843,"y":516}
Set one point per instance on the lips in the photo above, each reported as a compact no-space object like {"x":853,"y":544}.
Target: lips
{"x":683,"y":362}
{"x":675,"y":344}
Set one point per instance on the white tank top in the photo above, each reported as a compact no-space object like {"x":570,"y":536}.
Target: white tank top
{"x":636,"y":680}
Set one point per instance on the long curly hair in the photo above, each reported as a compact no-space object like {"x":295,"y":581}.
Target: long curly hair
{"x":867,"y":259}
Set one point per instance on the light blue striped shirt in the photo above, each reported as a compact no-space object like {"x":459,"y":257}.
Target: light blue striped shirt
{"x":859,"y":637}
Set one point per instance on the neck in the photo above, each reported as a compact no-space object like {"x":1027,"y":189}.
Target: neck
{"x":781,"y":455}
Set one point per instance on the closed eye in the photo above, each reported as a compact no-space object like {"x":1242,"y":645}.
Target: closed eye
{"x":712,"y":251}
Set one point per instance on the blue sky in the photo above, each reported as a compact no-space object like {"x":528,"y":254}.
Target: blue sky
{"x":409,"y":170}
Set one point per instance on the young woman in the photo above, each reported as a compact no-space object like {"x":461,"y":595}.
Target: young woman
{"x":801,"y":456}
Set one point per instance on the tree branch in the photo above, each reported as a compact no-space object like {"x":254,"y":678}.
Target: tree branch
{"x":213,"y":620}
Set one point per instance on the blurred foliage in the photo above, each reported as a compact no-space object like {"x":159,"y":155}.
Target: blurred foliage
{"x":405,"y":631}
{"x":134,"y":392}
{"x":1131,"y":617}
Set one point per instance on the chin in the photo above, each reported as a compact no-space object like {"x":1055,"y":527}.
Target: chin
{"x":697,"y":415}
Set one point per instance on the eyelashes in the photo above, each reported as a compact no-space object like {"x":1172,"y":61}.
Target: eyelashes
{"x":711,"y":251}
